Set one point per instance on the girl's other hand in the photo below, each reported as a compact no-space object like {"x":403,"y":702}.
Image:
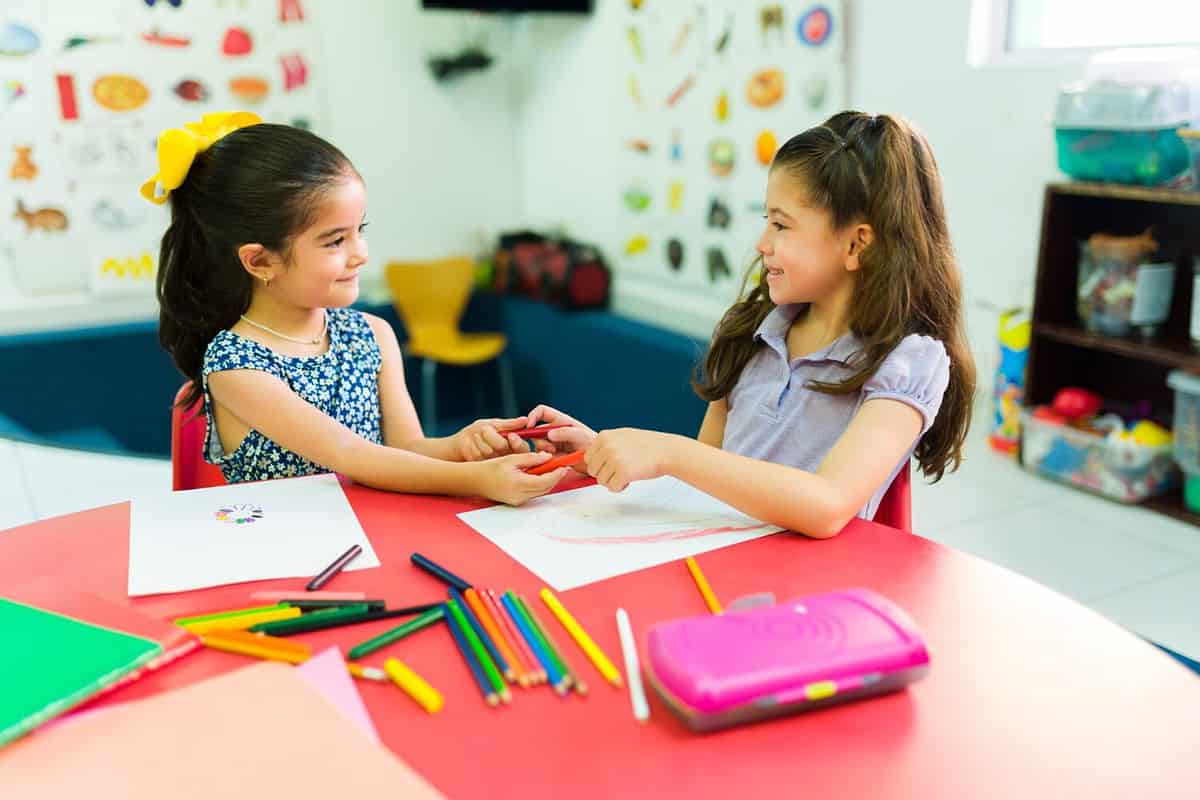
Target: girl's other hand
{"x":504,"y":479}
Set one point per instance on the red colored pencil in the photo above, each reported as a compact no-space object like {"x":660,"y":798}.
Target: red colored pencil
{"x":530,"y":662}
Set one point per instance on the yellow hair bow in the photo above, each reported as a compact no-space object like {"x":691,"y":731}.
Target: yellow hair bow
{"x":177,"y":148}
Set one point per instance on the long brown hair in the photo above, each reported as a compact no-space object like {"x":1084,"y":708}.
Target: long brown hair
{"x":878,"y":169}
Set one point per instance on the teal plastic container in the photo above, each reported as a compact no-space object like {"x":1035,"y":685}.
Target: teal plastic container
{"x":1123,"y":133}
{"x":1146,"y":157}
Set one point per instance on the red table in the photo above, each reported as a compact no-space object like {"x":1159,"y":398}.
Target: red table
{"x":1029,"y":694}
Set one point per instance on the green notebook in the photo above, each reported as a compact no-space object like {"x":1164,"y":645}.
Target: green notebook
{"x":50,"y":662}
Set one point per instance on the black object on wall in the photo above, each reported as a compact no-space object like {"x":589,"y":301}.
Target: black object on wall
{"x":513,"y":6}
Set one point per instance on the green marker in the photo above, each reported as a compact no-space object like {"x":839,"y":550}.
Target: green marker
{"x":396,"y":634}
{"x":315,"y":620}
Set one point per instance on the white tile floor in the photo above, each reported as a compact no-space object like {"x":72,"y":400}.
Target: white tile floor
{"x":1137,"y":567}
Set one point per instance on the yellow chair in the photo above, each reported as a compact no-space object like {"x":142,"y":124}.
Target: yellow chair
{"x":430,"y":297}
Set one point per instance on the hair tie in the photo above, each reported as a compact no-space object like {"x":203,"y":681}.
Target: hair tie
{"x":178,"y":147}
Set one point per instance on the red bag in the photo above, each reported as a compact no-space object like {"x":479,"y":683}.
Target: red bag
{"x":560,"y":272}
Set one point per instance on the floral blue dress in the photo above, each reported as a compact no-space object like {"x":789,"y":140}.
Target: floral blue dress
{"x":343,"y":382}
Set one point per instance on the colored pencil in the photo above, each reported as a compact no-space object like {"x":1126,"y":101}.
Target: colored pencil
{"x":339,"y":563}
{"x":236,"y":612}
{"x":514,"y":672}
{"x":289,"y":594}
{"x":219,"y":641}
{"x":313,"y":622}
{"x":552,"y":673}
{"x":573,"y":680}
{"x":481,"y":653}
{"x":529,"y":664}
{"x":439,"y":572}
{"x":244,"y":621}
{"x":585,"y":642}
{"x":706,"y":591}
{"x":414,"y":685}
{"x":435,"y":614}
{"x":460,"y":639}
{"x":637,"y":693}
{"x":476,"y":624}
{"x":564,"y":682}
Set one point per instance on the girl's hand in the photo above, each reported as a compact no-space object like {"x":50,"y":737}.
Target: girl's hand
{"x":489,"y":438}
{"x":617,"y":458}
{"x":504,"y":479}
{"x":563,"y":440}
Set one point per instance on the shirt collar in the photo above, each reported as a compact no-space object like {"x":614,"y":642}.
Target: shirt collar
{"x":774,"y":328}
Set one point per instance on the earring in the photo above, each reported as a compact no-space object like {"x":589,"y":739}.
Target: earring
{"x":266,"y":282}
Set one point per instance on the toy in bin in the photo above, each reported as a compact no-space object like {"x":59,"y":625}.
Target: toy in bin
{"x":719,"y":670}
{"x":1071,"y":440}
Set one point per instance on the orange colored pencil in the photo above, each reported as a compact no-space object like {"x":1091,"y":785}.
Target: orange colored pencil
{"x":527,"y":673}
{"x":536,"y":673}
{"x":489,"y":625}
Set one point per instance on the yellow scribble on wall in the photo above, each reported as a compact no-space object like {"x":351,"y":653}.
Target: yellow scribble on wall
{"x":133,"y":268}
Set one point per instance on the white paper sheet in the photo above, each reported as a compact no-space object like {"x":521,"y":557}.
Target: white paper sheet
{"x":246,"y":532}
{"x":573,"y":538}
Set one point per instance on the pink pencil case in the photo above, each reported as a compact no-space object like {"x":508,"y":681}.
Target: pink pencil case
{"x":720,"y":670}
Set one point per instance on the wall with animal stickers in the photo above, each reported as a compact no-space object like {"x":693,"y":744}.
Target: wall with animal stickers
{"x":85,"y":87}
{"x":711,"y":90}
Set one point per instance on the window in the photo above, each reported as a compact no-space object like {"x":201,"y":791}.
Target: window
{"x":1067,"y":30}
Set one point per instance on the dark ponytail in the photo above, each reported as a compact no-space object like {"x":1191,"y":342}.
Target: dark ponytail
{"x":260,"y":184}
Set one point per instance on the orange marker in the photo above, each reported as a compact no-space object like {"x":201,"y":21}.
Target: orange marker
{"x":565,"y":460}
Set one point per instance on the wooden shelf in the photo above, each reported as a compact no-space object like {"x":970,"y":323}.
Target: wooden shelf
{"x":1117,"y":191}
{"x":1172,"y":505}
{"x":1167,"y":352}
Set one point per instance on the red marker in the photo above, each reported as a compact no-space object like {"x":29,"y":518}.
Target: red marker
{"x":565,"y":460}
{"x":539,"y":432}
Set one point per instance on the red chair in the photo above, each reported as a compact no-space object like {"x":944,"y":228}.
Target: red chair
{"x":189,"y":470}
{"x":895,"y":508}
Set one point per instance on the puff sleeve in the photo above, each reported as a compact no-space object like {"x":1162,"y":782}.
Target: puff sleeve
{"x":916,"y":372}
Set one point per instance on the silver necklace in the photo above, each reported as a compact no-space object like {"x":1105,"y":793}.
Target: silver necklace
{"x":296,"y":339}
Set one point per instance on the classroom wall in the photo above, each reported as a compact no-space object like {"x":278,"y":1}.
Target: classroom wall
{"x":438,"y":158}
{"x":989,"y":128}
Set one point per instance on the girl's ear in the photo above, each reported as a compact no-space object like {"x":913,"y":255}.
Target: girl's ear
{"x":859,"y":239}
{"x":257,"y":260}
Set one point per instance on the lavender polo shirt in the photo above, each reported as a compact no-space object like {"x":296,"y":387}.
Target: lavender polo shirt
{"x":774,"y":416}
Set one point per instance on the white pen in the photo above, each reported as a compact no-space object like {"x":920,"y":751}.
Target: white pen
{"x":637,"y":693}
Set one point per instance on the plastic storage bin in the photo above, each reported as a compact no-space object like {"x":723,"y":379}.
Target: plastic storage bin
{"x":1187,"y":433}
{"x":1119,"y":469}
{"x":1124,"y":133}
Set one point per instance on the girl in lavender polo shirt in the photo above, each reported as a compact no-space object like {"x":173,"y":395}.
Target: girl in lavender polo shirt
{"x":846,"y":358}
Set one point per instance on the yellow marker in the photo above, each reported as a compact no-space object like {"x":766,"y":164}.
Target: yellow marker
{"x":242,"y":621}
{"x":706,"y":591}
{"x":414,"y":685}
{"x":581,"y":638}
